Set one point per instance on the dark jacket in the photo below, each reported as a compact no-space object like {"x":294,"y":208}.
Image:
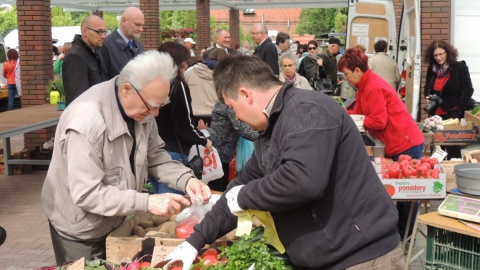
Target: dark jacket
{"x":458,"y":90}
{"x":177,"y":117}
{"x":330,"y":66}
{"x":115,"y":54}
{"x":310,"y":170}
{"x":81,"y":69}
{"x":230,"y":51}
{"x":267,"y":51}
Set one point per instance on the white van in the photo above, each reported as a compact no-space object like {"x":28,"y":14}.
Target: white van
{"x":371,"y":20}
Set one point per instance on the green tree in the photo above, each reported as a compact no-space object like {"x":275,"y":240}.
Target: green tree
{"x":8,"y":20}
{"x":111,"y":20}
{"x":60,"y":18}
{"x":317,"y":21}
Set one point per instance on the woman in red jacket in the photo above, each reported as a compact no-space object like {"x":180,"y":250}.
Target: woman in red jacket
{"x":9,"y":73}
{"x":386,"y":116}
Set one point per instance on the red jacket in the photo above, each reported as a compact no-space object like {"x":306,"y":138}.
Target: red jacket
{"x":386,"y":116}
{"x":9,"y":71}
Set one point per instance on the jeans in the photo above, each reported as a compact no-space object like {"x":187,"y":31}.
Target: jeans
{"x":12,"y":91}
{"x":404,"y":207}
{"x":159,"y":188}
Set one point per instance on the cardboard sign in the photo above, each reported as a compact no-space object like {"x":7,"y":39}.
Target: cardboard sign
{"x":160,"y":252}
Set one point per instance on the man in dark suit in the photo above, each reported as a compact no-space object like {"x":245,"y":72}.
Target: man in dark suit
{"x":222,"y":41}
{"x":122,"y":45}
{"x":266,"y":50}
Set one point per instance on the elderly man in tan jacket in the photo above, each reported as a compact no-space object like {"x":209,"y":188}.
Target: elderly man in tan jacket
{"x":105,"y":144}
{"x":383,"y":65}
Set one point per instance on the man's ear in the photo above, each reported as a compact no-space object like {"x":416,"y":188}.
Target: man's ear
{"x":244,"y":93}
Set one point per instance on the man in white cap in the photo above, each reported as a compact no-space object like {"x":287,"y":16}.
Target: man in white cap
{"x":194,"y":56}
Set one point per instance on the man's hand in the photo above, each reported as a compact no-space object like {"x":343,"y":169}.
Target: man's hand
{"x":166,"y":204}
{"x":184,"y":253}
{"x":196,"y":188}
{"x":232,"y":196}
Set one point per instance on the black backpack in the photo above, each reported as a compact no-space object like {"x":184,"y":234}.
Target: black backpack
{"x":311,"y":71}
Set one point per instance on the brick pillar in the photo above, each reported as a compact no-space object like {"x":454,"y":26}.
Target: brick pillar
{"x":35,"y":40}
{"x":203,"y":23}
{"x":234,"y":26}
{"x":98,"y":13}
{"x":151,"y":29}
{"x":435,"y":24}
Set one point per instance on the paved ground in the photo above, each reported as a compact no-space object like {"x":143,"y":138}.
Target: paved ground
{"x":28,"y":243}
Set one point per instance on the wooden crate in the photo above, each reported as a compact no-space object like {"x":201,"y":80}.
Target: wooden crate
{"x":472,"y":118}
{"x":121,"y":244}
{"x":448,"y":168}
{"x":472,"y":157}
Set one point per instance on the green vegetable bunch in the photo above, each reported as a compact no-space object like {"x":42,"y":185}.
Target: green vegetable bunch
{"x":476,"y":110}
{"x":247,"y":250}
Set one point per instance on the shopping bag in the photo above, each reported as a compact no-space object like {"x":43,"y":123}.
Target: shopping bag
{"x":212,"y":166}
{"x":244,"y":153}
{"x":195,"y":215}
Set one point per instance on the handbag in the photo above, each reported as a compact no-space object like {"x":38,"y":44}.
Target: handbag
{"x":195,"y":163}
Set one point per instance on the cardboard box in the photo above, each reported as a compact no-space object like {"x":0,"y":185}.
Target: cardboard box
{"x":449,"y":168}
{"x":472,"y":156}
{"x":472,"y":118}
{"x":121,"y":244}
{"x":457,"y":133}
{"x":416,"y":189}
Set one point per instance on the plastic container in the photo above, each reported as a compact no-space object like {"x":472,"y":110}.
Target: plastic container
{"x":468,"y":178}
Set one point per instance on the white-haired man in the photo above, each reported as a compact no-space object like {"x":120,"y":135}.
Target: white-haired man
{"x":105,"y":144}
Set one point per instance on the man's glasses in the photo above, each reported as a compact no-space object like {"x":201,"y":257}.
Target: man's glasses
{"x":312,"y":48}
{"x":440,"y":54}
{"x":146,"y":104}
{"x":98,"y":31}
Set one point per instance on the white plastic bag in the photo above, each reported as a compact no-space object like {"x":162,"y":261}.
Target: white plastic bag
{"x":212,"y":166}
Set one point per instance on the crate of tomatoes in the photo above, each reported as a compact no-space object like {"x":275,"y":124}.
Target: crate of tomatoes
{"x":413,"y":179}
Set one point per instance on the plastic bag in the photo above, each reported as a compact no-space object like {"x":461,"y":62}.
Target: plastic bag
{"x":244,"y":153}
{"x":196,"y":214}
{"x":212,"y":166}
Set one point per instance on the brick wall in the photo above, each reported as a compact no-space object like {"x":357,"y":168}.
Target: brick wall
{"x":35,"y":40}
{"x":234,"y":26}
{"x":203,"y":23}
{"x":151,"y":33}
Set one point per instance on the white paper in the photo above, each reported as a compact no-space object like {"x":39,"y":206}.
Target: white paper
{"x":360,"y":29}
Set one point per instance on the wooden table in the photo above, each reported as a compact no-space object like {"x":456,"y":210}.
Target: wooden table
{"x":21,"y":121}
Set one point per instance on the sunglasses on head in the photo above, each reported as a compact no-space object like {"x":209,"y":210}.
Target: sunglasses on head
{"x":312,"y":48}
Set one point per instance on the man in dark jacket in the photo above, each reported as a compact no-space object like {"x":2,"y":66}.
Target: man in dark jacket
{"x":81,"y":68}
{"x":329,"y":61}
{"x":222,"y":41}
{"x":122,"y":45}
{"x":266,"y":50}
{"x":309,"y":169}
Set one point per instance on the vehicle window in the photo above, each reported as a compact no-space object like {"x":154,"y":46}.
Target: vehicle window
{"x":3,"y":57}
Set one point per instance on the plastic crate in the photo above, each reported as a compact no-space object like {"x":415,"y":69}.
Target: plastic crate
{"x":451,"y":251}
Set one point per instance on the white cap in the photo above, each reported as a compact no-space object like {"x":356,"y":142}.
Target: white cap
{"x":189,"y":40}
{"x":293,"y":48}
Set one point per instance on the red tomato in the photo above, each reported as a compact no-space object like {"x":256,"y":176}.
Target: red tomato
{"x":433,"y":161}
{"x":210,"y":260}
{"x":414,"y":163}
{"x":184,"y":230}
{"x":145,"y":265}
{"x":404,"y":157}
{"x":393,"y":171}
{"x":408,"y":170}
{"x":423,"y":169}
{"x":425,"y":159}
{"x":403,"y":163}
{"x":176,"y":268}
{"x":385,"y":167}
{"x":210,"y":252}
{"x":390,"y":190}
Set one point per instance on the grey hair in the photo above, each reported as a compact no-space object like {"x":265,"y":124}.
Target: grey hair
{"x":147,"y":67}
{"x":219,"y":31}
{"x":288,"y":55}
{"x":262,"y":27}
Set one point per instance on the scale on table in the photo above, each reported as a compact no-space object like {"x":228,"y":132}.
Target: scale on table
{"x":461,"y":207}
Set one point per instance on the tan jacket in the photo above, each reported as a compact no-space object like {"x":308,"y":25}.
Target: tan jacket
{"x":300,"y":81}
{"x":90,"y":187}
{"x":386,"y":67}
{"x":202,"y":90}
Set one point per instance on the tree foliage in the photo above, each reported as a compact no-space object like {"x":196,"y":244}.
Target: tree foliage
{"x":317,"y":21}
{"x":8,"y":20}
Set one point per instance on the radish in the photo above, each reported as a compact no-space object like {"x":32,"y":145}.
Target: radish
{"x":134,"y":266}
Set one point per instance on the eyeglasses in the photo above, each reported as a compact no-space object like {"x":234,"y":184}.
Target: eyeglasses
{"x":98,"y":31}
{"x":146,"y":104}
{"x":440,"y":54}
{"x":312,"y":48}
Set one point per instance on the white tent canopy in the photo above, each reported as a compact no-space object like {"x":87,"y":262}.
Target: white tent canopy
{"x":60,"y":34}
